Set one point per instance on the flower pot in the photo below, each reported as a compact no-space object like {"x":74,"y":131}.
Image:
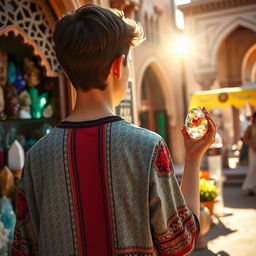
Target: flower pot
{"x":209,"y":205}
{"x":205,"y":224}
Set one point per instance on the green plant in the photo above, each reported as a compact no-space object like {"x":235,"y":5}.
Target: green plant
{"x":208,"y":190}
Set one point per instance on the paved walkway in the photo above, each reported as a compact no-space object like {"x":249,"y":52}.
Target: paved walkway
{"x":233,"y":235}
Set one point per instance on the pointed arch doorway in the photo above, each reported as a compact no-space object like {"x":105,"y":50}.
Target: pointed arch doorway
{"x":153,"y":114}
{"x":235,"y":65}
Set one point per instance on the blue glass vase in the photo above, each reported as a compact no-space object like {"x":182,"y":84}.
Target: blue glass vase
{"x":8,"y":216}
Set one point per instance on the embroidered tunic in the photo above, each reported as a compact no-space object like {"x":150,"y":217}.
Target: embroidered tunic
{"x":101,"y":188}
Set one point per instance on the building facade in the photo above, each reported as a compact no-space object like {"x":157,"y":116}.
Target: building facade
{"x":159,"y":94}
{"x":155,"y":96}
{"x":223,"y":33}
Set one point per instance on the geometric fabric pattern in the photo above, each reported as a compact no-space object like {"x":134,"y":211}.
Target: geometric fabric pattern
{"x":103,"y":187}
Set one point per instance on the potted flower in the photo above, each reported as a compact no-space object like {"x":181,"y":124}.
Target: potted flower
{"x":208,"y":193}
{"x":204,"y":175}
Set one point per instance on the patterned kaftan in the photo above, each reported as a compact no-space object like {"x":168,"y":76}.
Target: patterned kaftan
{"x":101,"y":188}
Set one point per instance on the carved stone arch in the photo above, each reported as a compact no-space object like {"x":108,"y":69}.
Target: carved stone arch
{"x":146,"y":24}
{"x":248,"y":65}
{"x":147,"y":7}
{"x":16,"y":31}
{"x":225,"y":31}
{"x":160,"y":73}
{"x":253,"y":74}
{"x":152,"y":29}
{"x":34,"y":21}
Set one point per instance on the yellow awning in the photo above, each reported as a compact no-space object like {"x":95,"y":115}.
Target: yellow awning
{"x":224,"y":97}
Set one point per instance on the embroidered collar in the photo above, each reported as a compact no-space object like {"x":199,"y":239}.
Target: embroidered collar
{"x":90,"y":123}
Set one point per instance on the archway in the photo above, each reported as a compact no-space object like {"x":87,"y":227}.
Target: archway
{"x":34,"y":22}
{"x":225,"y":31}
{"x":249,"y":66}
{"x":153,"y":114}
{"x":230,"y":58}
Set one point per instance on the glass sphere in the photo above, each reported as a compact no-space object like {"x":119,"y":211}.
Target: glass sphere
{"x":196,"y":123}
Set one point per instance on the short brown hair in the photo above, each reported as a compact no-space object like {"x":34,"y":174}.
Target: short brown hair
{"x":88,"y":41}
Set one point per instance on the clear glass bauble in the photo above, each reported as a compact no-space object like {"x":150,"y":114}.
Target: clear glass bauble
{"x":196,"y":123}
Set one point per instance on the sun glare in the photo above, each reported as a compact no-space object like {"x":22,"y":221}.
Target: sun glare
{"x":182,"y":46}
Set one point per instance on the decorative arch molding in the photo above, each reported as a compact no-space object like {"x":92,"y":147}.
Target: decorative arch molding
{"x":253,"y":74}
{"x":160,"y":73}
{"x":249,"y":65}
{"x":27,"y":18}
{"x":149,"y":15}
{"x":225,"y":31}
{"x":16,"y":31}
{"x":147,"y":8}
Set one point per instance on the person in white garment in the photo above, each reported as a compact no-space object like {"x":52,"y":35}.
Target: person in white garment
{"x":243,"y":159}
{"x":249,"y":185}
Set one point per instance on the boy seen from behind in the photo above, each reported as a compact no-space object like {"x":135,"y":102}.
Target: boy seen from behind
{"x":98,"y":185}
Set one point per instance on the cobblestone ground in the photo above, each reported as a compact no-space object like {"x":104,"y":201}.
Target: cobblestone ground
{"x":233,"y":235}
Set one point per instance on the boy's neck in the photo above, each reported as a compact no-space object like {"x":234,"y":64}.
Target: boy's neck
{"x":91,"y":105}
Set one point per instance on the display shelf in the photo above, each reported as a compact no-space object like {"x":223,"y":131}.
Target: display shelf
{"x":29,"y":120}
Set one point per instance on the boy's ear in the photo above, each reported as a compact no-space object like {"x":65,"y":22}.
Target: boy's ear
{"x":116,"y":68}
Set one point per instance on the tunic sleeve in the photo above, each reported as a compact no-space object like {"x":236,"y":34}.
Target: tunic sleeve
{"x":174,"y":227}
{"x":26,"y":229}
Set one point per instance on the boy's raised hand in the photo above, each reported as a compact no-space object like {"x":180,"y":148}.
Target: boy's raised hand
{"x":195,"y":148}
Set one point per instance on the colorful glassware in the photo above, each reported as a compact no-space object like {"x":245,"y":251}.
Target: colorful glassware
{"x":38,"y":102}
{"x":8,"y":216}
{"x":19,"y":83}
{"x":196,"y":123}
{"x":11,"y":73}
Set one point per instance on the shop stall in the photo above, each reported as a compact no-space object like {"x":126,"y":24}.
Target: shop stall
{"x":225,"y":97}
{"x":33,"y":91}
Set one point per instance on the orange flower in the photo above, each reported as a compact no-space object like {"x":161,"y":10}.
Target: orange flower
{"x":204,"y":175}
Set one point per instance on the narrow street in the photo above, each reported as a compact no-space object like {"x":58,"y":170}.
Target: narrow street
{"x":233,"y":235}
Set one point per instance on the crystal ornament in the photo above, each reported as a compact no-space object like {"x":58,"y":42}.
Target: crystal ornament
{"x":196,"y":123}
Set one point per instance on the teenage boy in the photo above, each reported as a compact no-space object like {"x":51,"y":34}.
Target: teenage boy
{"x":98,"y":185}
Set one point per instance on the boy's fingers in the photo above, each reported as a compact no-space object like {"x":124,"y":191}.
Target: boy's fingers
{"x":210,"y":119}
{"x":208,"y":116}
{"x":184,"y":132}
{"x":211,"y":130}
{"x":206,"y":112}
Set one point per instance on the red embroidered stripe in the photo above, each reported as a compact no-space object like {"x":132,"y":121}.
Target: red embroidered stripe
{"x":136,"y":250}
{"x":74,"y":187}
{"x":88,"y":176}
{"x":180,"y":236}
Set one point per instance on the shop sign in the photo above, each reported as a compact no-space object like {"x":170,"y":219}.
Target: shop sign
{"x":125,"y":109}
